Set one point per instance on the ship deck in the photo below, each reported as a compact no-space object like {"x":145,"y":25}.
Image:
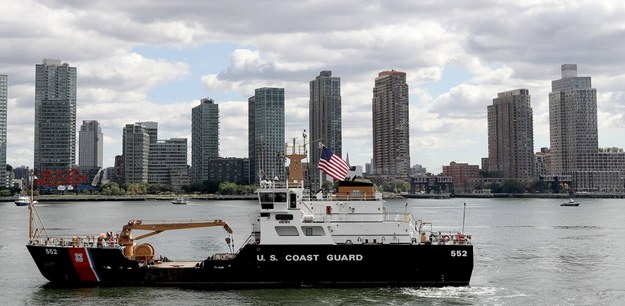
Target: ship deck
{"x":175,"y":264}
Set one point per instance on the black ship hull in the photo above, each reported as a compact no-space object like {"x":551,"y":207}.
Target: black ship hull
{"x":257,"y":266}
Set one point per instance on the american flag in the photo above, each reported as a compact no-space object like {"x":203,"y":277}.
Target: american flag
{"x":333,"y":165}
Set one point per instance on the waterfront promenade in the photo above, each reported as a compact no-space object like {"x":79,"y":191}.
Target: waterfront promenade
{"x":599,"y":195}
{"x":145,"y":197}
{"x":386,"y":195}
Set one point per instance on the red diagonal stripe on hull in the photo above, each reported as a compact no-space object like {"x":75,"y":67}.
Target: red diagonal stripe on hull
{"x":82,"y":264}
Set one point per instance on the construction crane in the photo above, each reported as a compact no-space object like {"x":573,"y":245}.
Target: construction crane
{"x":146,"y":251}
{"x":96,"y":178}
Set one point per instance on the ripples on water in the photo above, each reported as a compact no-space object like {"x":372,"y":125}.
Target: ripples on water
{"x":527,"y":252}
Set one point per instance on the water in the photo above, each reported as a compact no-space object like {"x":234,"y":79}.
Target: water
{"x":527,"y":252}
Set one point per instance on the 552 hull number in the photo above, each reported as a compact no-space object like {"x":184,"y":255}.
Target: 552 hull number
{"x":459,"y":253}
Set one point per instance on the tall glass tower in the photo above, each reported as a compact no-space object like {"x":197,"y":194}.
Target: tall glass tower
{"x":324,"y":120}
{"x":55,"y":116}
{"x":204,"y":138}
{"x":4,"y":98}
{"x":266,"y":141}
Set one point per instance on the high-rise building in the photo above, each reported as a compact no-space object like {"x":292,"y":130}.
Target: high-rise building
{"x":325,"y":124}
{"x":574,"y":137}
{"x":168,"y":162}
{"x":204,"y":138}
{"x":55,"y":116}
{"x":266,"y":134}
{"x":135,"y":152}
{"x":152,"y":128}
{"x":4,"y":98}
{"x":90,"y":144}
{"x":572,"y":123}
{"x":511,"y":135}
{"x":391,"y":128}
{"x":229,"y":169}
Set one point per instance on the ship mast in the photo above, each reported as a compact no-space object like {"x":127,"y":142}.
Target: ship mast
{"x":30,"y":206}
{"x":295,"y":156}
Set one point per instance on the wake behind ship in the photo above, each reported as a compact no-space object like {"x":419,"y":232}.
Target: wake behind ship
{"x":344,"y":239}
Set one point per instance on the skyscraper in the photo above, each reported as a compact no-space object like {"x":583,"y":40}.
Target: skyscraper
{"x":204,"y":138}
{"x":266,"y":134}
{"x":168,"y":162}
{"x":4,"y":98}
{"x":152,"y":128}
{"x":325,"y":122}
{"x":55,"y":116}
{"x":135,"y":152}
{"x":391,"y":128}
{"x":90,"y":144}
{"x":572,"y":123}
{"x":511,"y":135}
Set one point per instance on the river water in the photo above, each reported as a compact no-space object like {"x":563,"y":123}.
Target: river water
{"x":527,"y":252}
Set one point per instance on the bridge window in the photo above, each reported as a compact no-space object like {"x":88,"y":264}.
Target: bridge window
{"x":287,"y":231}
{"x":313,"y":231}
{"x":280,"y":197}
{"x":266,"y":200}
{"x":266,"y":197}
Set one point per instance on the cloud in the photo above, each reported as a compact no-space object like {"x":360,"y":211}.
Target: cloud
{"x":495,"y":46}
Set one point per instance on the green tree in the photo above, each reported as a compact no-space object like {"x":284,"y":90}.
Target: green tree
{"x":228,"y":188}
{"x":154,"y":189}
{"x":136,"y":188}
{"x":326,"y":185}
{"x":513,"y":186}
{"x":395,"y":185}
{"x":248,"y":189}
{"x":111,"y":189}
{"x":533,"y":187}
{"x":495,"y":187}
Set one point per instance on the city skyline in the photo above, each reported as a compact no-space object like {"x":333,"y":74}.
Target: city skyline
{"x":143,"y":63}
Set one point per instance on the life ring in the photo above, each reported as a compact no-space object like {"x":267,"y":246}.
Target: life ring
{"x":445,"y":238}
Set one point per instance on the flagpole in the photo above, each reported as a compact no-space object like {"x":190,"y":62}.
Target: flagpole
{"x":321,"y":146}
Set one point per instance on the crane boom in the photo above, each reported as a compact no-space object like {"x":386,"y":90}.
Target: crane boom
{"x":125,"y":238}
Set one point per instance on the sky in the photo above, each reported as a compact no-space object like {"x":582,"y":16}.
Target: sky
{"x":154,"y":60}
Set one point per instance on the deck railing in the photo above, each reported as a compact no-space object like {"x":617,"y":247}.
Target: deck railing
{"x":76,"y":241}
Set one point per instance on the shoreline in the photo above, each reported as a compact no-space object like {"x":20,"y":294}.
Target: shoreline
{"x":516,"y":195}
{"x":213,"y":197}
{"x":147,"y":197}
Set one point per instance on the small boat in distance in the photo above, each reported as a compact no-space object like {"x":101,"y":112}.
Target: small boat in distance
{"x":23,"y":201}
{"x":570,"y":202}
{"x":179,"y":200}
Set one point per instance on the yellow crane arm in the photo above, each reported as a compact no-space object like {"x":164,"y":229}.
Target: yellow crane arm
{"x":125,"y":238}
